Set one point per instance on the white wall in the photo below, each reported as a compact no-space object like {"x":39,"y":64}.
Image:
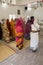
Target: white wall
{"x":26,"y":1}
{"x":38,"y":13}
{"x":5,"y":11}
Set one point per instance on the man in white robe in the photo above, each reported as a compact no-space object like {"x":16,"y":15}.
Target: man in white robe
{"x":34,"y":35}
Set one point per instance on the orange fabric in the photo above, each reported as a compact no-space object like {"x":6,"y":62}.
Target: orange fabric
{"x":12,"y":25}
{"x":18,"y":34}
{"x":19,"y":41}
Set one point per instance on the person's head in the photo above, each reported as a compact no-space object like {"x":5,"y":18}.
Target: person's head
{"x":32,"y":19}
{"x":28,"y":18}
{"x":0,"y":23}
{"x":7,"y":20}
{"x":18,"y":22}
{"x":21,"y":19}
{"x":11,"y":19}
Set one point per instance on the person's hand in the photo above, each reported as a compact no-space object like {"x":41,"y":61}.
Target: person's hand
{"x":38,"y":30}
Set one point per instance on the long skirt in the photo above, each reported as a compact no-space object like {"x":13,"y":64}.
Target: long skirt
{"x":19,"y":41}
{"x":34,"y":40}
{"x":27,"y":36}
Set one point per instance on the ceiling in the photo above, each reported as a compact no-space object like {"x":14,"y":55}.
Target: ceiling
{"x":26,"y":1}
{"x":34,"y":3}
{"x":21,"y":2}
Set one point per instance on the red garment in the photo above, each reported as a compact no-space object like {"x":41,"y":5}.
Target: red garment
{"x":23,"y":24}
{"x":18,"y":22}
{"x":19,"y":33}
{"x":18,"y":28}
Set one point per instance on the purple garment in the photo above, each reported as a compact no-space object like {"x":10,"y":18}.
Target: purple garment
{"x":28,"y":27}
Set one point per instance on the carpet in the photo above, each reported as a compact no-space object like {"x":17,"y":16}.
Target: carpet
{"x":5,"y":52}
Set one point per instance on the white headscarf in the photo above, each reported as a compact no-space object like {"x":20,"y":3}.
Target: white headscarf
{"x":36,"y":24}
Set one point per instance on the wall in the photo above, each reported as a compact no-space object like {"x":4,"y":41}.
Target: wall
{"x":5,"y":11}
{"x":26,"y":1}
{"x":38,"y":13}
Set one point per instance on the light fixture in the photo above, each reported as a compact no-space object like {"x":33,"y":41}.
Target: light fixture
{"x":4,"y":5}
{"x":29,"y":8}
{"x":12,"y":16}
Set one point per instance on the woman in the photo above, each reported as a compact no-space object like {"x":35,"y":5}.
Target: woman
{"x":8,"y":26}
{"x":12,"y":26}
{"x":34,"y":35}
{"x":0,"y":32}
{"x":23,"y":24}
{"x":27,"y":30}
{"x":19,"y":34}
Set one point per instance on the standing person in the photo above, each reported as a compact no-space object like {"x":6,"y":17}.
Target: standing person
{"x":34,"y":35}
{"x":8,"y":26}
{"x":0,"y":32}
{"x":27,"y":30}
{"x":23,"y":24}
{"x":19,"y":34}
{"x":12,"y":26}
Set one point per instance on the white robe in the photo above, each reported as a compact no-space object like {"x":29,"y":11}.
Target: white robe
{"x":34,"y":37}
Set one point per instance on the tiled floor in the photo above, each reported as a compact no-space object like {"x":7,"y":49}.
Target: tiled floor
{"x":26,"y":56}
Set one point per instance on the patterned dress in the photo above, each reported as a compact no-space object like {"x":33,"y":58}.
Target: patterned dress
{"x":19,"y":35}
